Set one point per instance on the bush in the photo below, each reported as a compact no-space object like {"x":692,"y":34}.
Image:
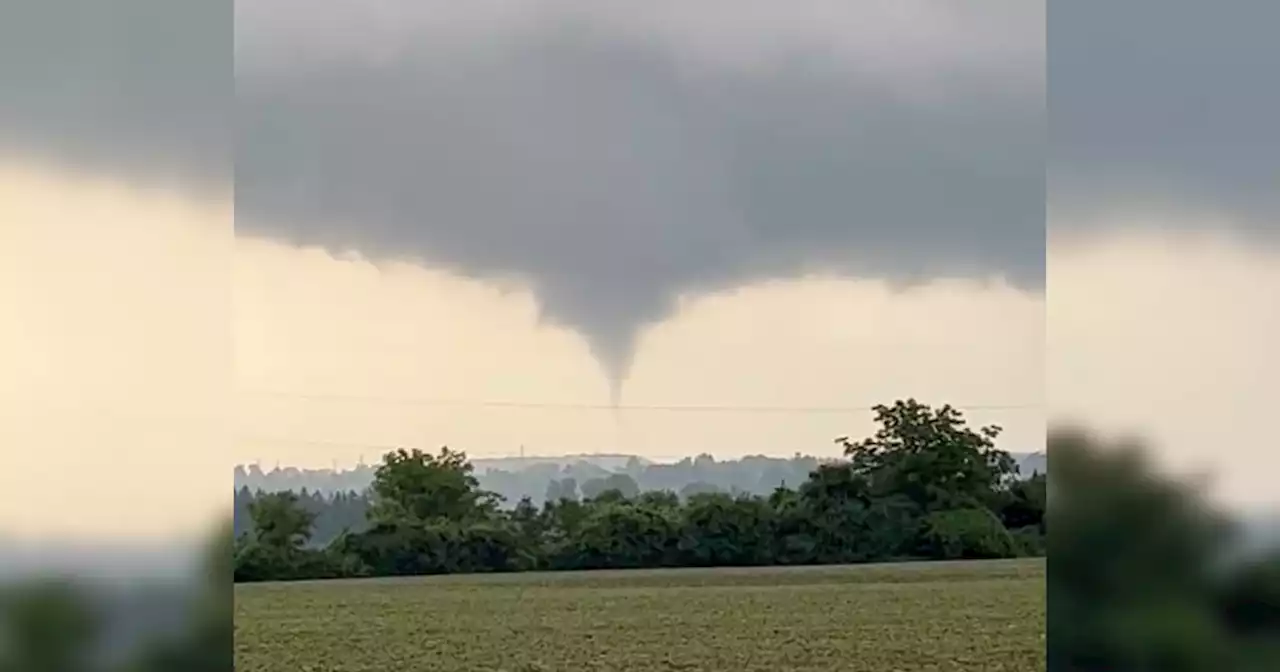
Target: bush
{"x":967,"y":534}
{"x":1030,"y":541}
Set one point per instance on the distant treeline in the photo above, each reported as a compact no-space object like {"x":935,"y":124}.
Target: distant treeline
{"x":548,"y":478}
{"x":924,"y":486}
{"x":331,"y":514}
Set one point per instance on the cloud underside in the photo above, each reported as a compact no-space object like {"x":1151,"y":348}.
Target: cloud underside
{"x":613,"y":172}
{"x":1167,"y":104}
{"x":1168,"y":100}
{"x":612,"y":180}
{"x":609,"y":170}
{"x":136,"y":90}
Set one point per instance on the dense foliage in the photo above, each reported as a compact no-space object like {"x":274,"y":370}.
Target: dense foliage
{"x":925,"y":486}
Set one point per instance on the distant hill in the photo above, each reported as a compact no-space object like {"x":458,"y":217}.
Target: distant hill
{"x":1032,"y":463}
{"x":612,"y":462}
{"x":1261,"y":530}
{"x":515,"y":477}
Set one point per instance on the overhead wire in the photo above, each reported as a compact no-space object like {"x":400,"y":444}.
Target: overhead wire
{"x":580,"y":406}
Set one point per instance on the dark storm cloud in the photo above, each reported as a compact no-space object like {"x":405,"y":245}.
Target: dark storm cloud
{"x":611,"y":158}
{"x":612,"y":175}
{"x":139,"y":89}
{"x":133,"y":88}
{"x":1167,"y":102}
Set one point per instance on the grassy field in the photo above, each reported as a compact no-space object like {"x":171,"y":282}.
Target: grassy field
{"x":985,"y":616}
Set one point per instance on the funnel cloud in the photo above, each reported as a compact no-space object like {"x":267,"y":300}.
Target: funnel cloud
{"x":610,"y":157}
{"x":616,"y":163}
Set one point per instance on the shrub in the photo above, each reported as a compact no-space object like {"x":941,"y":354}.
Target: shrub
{"x":967,"y":534}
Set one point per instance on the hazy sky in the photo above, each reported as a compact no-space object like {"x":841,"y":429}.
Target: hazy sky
{"x":116,"y":353}
{"x":823,"y":209}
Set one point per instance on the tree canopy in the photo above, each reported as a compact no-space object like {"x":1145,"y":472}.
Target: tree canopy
{"x":925,"y":485}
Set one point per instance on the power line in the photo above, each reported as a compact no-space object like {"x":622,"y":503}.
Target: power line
{"x":474,"y":457}
{"x":331,"y":444}
{"x":387,"y":447}
{"x":664,"y":408}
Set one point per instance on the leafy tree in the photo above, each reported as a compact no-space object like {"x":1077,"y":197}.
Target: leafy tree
{"x":530,"y":525}
{"x":280,"y":522}
{"x":965,"y":534}
{"x":1024,"y":504}
{"x":275,"y":548}
{"x":930,"y":456}
{"x":923,"y":486}
{"x":719,"y":530}
{"x":623,"y":534}
{"x":413,"y":486}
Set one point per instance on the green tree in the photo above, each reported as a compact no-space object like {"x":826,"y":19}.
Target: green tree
{"x":965,"y":534}
{"x":719,"y":530}
{"x":626,"y":534}
{"x":280,"y":522}
{"x":924,"y":485}
{"x":931,"y":456}
{"x":417,"y":487}
{"x":1022,"y":509}
{"x":274,"y":549}
{"x":1025,"y":503}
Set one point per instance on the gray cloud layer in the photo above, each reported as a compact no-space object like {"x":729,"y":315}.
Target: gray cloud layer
{"x":613,"y":172}
{"x":141,"y":89}
{"x":610,"y":157}
{"x":1168,"y":101}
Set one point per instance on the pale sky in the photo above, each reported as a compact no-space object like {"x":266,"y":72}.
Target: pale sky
{"x":819,"y":220}
{"x":125,"y":344}
{"x":116,"y":353}
{"x":127,"y":351}
{"x":309,"y":324}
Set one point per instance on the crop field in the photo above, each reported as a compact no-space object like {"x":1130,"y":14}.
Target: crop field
{"x":872,"y":618}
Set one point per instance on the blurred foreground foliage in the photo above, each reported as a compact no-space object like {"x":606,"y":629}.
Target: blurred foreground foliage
{"x":1145,"y":575}
{"x":62,"y":625}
